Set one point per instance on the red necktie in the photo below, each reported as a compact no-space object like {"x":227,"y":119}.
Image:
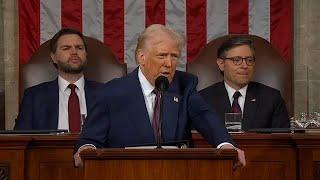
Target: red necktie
{"x":156,"y":115}
{"x":235,"y":104}
{"x":74,"y":110}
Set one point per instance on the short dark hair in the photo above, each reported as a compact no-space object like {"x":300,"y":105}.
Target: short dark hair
{"x":232,"y":42}
{"x":64,"y":31}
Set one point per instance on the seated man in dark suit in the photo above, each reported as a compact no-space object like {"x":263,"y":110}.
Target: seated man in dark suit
{"x":62,"y":103}
{"x":126,"y":113}
{"x":261,"y":106}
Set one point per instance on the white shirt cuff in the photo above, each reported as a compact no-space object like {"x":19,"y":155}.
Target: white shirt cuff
{"x":86,"y":145}
{"x":224,"y":143}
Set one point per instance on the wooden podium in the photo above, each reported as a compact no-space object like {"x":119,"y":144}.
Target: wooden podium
{"x":154,"y":164}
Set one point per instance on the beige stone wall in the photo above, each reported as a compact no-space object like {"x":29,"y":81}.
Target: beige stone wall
{"x":1,"y":69}
{"x":10,"y":58}
{"x":306,"y":56}
{"x":1,"y":49}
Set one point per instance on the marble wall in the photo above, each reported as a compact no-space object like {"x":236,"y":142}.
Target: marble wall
{"x":2,"y":110}
{"x":306,"y":48}
{"x":306,"y":56}
{"x":10,"y":60}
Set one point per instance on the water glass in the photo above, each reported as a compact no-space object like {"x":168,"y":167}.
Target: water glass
{"x":233,"y":122}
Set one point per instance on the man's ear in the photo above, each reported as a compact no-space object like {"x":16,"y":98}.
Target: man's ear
{"x":141,"y":57}
{"x":220,"y":63}
{"x":53,"y":57}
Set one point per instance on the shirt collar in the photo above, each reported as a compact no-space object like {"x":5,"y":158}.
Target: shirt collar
{"x":231,"y":91}
{"x":63,"y":84}
{"x":147,"y":88}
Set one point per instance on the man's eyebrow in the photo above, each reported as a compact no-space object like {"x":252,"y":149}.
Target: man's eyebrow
{"x":77,"y":45}
{"x":65,"y":45}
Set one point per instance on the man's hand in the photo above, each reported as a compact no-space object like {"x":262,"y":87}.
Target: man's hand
{"x":241,"y":157}
{"x":76,"y":156}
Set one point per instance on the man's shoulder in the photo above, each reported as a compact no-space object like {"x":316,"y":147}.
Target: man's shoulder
{"x":121,"y":81}
{"x":93,"y":83}
{"x":184,"y":81}
{"x":263,"y":88}
{"x":183,"y":74}
{"x":116,"y":90}
{"x":212,"y":88}
{"x":185,"y":77}
{"x":264,"y":92}
{"x":118,"y":85}
{"x":43,"y":87}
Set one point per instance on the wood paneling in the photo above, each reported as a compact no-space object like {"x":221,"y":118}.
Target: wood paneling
{"x":12,"y":156}
{"x":269,"y":156}
{"x":157,"y":164}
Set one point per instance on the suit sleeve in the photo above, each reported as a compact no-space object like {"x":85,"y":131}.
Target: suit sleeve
{"x":205,"y":120}
{"x":96,"y":126}
{"x":280,"y":117}
{"x":25,"y":116}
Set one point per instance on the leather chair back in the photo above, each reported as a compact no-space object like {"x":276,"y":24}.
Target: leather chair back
{"x":271,"y":69}
{"x":102,"y":65}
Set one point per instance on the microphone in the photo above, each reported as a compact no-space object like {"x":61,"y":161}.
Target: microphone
{"x":162,"y":85}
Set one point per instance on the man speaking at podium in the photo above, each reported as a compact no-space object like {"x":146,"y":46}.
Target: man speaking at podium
{"x":127,"y":112}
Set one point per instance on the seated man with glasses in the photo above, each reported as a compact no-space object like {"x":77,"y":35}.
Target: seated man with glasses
{"x":261,"y":106}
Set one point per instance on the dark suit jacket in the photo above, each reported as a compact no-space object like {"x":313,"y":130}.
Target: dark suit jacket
{"x":120,"y":118}
{"x":263,"y":107}
{"x":40,"y":105}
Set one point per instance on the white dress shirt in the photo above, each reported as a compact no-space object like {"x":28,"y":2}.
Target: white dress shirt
{"x":149,"y":97}
{"x":64,"y":93}
{"x":241,"y":98}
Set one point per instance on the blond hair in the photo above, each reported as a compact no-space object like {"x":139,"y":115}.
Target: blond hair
{"x":156,"y":30}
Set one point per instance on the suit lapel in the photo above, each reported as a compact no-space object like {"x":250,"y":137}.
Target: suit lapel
{"x":139,"y":111}
{"x":89,"y":88}
{"x":223,"y":98}
{"x":250,"y":107}
{"x":52,"y":105}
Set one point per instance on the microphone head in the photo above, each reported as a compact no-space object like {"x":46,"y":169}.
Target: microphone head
{"x":162,"y":83}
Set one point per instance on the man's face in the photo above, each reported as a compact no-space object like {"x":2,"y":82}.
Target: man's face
{"x":70,"y":55}
{"x":159,"y":58}
{"x":237,"y":76}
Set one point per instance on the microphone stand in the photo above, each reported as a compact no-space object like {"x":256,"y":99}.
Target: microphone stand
{"x":162,"y":85}
{"x":160,"y":122}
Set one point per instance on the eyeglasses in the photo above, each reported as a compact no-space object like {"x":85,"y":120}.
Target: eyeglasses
{"x":237,"y":60}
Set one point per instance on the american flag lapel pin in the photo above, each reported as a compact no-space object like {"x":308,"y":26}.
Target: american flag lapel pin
{"x":175,"y":99}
